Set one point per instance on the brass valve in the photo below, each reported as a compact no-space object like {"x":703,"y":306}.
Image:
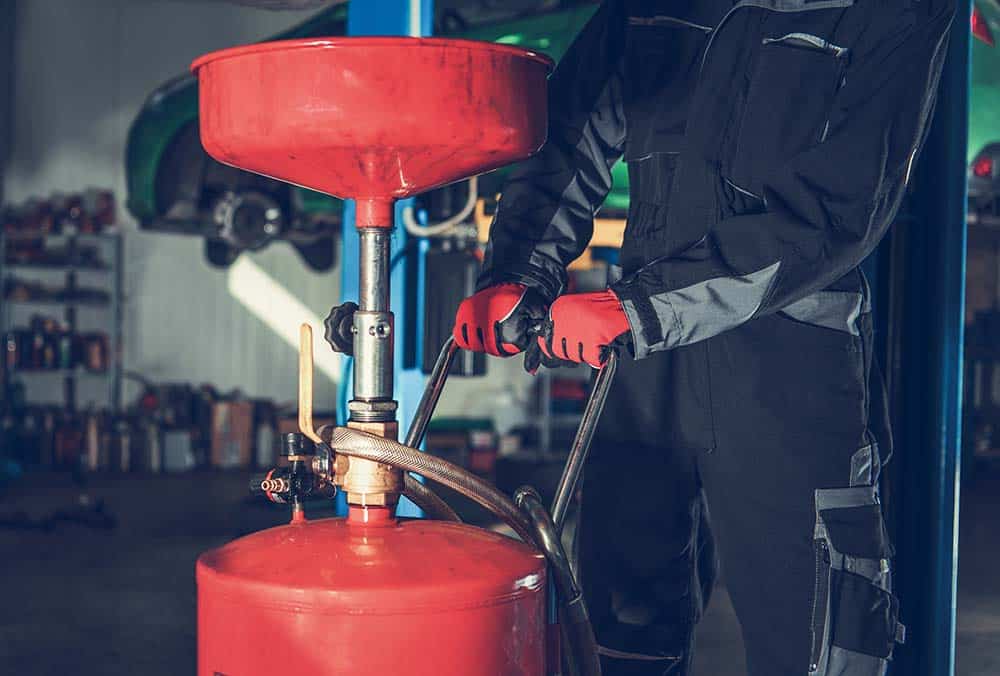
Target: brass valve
{"x":366,"y":483}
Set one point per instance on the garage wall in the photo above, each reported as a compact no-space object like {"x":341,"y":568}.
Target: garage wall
{"x":6,"y":82}
{"x":82,"y":70}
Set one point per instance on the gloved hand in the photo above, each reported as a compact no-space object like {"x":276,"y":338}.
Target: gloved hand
{"x":583,"y":327}
{"x":498,"y":319}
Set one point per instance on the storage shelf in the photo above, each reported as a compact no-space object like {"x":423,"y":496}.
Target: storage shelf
{"x":108,"y":261}
{"x":58,"y":266}
{"x":77,"y":371}
{"x":23,"y":235}
{"x":56,"y":301}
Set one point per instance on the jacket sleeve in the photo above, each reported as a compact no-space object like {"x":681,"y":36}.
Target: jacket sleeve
{"x":545,"y":217}
{"x":824,"y":210}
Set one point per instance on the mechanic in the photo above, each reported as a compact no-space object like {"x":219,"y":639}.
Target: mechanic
{"x":769,"y":144}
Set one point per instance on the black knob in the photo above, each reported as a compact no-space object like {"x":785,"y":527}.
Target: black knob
{"x":338,"y":328}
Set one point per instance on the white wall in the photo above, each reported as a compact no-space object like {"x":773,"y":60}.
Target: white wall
{"x":82,"y":70}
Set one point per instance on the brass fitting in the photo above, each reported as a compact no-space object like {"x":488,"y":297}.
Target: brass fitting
{"x":365,"y":482}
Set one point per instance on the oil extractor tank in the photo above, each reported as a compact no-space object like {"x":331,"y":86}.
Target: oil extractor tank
{"x":370,"y":594}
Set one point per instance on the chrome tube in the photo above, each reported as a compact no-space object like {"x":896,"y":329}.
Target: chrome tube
{"x":373,"y":326}
{"x":373,"y":289}
{"x":582,"y":654}
{"x":581,"y":442}
{"x":432,"y":393}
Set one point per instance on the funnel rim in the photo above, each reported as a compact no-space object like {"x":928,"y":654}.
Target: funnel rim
{"x":334,"y":42}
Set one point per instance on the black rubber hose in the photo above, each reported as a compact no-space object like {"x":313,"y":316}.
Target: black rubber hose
{"x":427,"y":500}
{"x":356,"y":443}
{"x":578,"y":633}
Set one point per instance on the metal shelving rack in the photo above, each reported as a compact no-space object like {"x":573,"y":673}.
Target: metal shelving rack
{"x":111,"y":243}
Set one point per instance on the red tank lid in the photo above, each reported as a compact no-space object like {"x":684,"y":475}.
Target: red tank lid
{"x":337,"y":566}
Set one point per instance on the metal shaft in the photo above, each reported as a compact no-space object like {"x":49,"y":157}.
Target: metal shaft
{"x":581,"y":442}
{"x":432,"y":393}
{"x":373,"y":330}
{"x":374,"y":282}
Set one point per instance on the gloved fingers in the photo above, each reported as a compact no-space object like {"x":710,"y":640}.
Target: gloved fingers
{"x":468,"y":337}
{"x":461,"y":335}
{"x":532,"y":358}
{"x":563,"y":349}
{"x":562,"y":346}
{"x":489,"y":321}
{"x":595,"y":356}
{"x":545,"y":345}
{"x":487,"y":340}
{"x":504,"y":348}
{"x":535,"y":357}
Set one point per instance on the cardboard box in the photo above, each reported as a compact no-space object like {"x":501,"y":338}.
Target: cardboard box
{"x":232,"y":434}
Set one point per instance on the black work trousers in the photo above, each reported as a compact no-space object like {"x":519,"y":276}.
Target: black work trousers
{"x":716,"y":451}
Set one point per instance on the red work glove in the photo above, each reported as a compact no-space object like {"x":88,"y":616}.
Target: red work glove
{"x":583,"y":326}
{"x":498,"y":320}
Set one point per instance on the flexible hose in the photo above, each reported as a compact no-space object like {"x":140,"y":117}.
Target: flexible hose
{"x":427,"y":500}
{"x":578,"y":634}
{"x":356,"y":443}
{"x":443,"y":227}
{"x":537,"y":529}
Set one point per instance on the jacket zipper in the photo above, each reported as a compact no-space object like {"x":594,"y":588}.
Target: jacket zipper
{"x":762,"y":5}
{"x":659,"y":20}
{"x":810,"y":42}
{"x":821,"y":600}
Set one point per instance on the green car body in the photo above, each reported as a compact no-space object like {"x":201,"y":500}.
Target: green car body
{"x":174,"y":105}
{"x":984,"y":92}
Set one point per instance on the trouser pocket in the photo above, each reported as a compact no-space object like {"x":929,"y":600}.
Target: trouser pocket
{"x":855,"y":615}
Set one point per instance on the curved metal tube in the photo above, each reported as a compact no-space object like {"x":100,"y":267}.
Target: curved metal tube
{"x":427,"y":500}
{"x":581,"y":442}
{"x":432,"y":393}
{"x":389,"y":452}
{"x":578,"y":633}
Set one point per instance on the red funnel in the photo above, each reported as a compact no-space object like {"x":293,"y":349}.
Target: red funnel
{"x":375,"y":119}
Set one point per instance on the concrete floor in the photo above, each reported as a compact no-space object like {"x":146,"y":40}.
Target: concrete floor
{"x":122,"y":602}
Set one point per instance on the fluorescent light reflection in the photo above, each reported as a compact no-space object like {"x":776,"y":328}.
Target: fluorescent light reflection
{"x":282,"y":312}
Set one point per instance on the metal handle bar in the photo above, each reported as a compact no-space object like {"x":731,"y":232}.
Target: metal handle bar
{"x":432,"y":393}
{"x":581,"y":442}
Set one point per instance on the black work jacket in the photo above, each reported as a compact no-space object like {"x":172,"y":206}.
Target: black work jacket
{"x":769,"y":143}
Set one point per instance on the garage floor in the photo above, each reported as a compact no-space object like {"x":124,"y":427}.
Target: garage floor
{"x":84,"y":601}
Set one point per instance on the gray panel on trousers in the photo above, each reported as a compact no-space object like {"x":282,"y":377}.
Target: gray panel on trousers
{"x":837,"y":310}
{"x":849,"y":663}
{"x":864,"y":471}
{"x":836,"y":498}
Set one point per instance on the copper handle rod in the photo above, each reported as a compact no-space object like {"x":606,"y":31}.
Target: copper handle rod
{"x":306,"y":383}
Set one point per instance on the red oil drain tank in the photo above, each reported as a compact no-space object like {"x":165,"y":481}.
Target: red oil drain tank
{"x":375,"y":119}
{"x":372,"y":595}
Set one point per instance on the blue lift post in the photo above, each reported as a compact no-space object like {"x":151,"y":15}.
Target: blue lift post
{"x":928,"y":267}
{"x":392,"y":17}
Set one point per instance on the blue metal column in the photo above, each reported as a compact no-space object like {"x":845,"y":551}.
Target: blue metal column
{"x":929,"y":266}
{"x":390,"y":17}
